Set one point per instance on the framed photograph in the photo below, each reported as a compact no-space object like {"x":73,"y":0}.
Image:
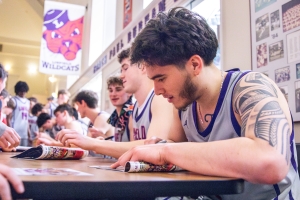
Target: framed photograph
{"x":262,"y":27}
{"x":298,"y":71}
{"x":262,"y":55}
{"x":290,"y":15}
{"x":282,"y":75}
{"x":297,"y":96}
{"x":260,"y":4}
{"x":276,"y":51}
{"x":275,"y":20}
{"x":284,"y":90}
{"x":275,"y":43}
{"x":293,"y":46}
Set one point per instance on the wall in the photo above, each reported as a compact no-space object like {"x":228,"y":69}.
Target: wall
{"x":236,"y":39}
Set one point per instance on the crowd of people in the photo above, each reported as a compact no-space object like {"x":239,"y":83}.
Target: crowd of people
{"x":221,"y":123}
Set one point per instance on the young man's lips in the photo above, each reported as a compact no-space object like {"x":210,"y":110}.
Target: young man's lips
{"x":169,"y":98}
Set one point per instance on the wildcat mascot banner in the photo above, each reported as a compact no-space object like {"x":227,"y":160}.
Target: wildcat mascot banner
{"x":61,"y":45}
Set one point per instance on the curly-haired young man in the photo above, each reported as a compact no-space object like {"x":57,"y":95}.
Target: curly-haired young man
{"x":231,"y":124}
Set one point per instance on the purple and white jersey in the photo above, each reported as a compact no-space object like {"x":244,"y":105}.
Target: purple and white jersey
{"x":142,"y":117}
{"x":52,"y":107}
{"x":224,"y":126}
{"x":20,"y":116}
{"x":33,"y":127}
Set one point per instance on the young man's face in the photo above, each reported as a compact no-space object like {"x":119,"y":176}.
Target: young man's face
{"x":61,"y":118}
{"x":48,"y":124}
{"x":4,"y":101}
{"x":131,"y":76}
{"x":21,"y":94}
{"x":32,"y":103}
{"x":2,"y":83}
{"x":62,"y":98}
{"x":174,"y":84}
{"x":117,"y":95}
{"x":81,"y":108}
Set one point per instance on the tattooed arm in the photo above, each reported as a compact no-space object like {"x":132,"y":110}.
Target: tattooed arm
{"x":259,"y":157}
{"x":263,"y":111}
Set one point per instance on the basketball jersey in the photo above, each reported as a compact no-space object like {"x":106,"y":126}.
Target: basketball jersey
{"x":142,"y":119}
{"x":20,"y":115}
{"x":33,"y":127}
{"x":224,"y":119}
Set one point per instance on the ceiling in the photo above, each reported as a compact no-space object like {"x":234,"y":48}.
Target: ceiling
{"x":20,"y":29}
{"x":20,"y":38}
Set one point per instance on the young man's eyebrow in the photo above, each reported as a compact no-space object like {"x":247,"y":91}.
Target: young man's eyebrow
{"x":156,"y":76}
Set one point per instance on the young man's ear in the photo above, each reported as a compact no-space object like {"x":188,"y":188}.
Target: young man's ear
{"x":195,"y":64}
{"x":83,"y":103}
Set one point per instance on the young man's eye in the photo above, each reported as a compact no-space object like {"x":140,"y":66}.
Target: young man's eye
{"x":161,"y":79}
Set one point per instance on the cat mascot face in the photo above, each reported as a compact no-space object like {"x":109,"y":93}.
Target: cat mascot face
{"x":62,"y":35}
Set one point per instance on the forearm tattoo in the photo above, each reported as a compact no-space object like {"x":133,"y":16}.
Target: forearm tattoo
{"x":256,"y":101}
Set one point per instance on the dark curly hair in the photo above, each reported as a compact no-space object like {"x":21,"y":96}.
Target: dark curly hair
{"x":114,"y":80}
{"x":38,"y":107}
{"x":64,"y":107}
{"x":172,"y":38}
{"x":90,"y":97}
{"x":123,"y":55}
{"x":21,"y":86}
{"x":42,"y":119}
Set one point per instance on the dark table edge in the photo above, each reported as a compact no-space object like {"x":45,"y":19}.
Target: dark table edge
{"x":127,"y":189}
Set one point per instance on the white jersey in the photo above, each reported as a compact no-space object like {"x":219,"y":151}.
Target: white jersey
{"x":52,"y":107}
{"x":20,"y":116}
{"x":33,"y":127}
{"x":224,"y":119}
{"x":142,"y":119}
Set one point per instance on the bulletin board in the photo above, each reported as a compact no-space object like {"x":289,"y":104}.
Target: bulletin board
{"x":275,"y":41}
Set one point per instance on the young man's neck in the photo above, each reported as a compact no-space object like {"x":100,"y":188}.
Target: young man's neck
{"x":119,"y":109}
{"x":92,"y":114}
{"x":214,"y":79}
{"x":143,"y":91}
{"x":69,"y":122}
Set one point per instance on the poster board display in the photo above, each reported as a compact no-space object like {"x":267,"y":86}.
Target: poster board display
{"x":275,"y":41}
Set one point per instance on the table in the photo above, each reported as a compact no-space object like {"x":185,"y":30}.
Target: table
{"x":107,"y":184}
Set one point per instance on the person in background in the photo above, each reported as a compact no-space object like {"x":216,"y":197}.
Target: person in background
{"x":87,"y":103}
{"x":18,"y":120}
{"x":4,"y":98}
{"x":64,"y":117}
{"x":50,"y":106}
{"x":229,"y":124}
{"x":8,"y":139}
{"x":37,"y":109}
{"x":33,"y":129}
{"x":77,"y":117}
{"x":63,"y":97}
{"x":47,"y":128}
{"x":151,"y":116}
{"x":124,"y":106}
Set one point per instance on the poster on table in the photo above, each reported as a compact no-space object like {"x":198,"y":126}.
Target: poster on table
{"x":61,"y":43}
{"x":275,"y":32}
